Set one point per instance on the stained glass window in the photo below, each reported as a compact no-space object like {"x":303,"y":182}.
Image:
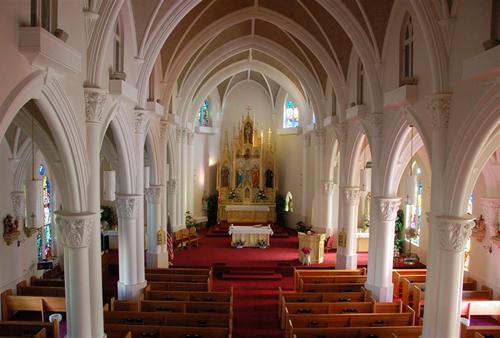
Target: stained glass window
{"x":203,"y":114}
{"x":44,"y":238}
{"x":470,"y":203}
{"x":291,"y":116}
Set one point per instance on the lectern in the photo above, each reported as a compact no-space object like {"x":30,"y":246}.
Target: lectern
{"x":317,"y":244}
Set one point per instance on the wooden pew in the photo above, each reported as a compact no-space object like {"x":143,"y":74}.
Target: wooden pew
{"x":406,"y":283}
{"x":479,"y":331}
{"x":29,"y":329}
{"x":398,"y":273}
{"x":177,"y":286}
{"x":357,"y":332}
{"x":299,"y":272}
{"x":168,"y":319}
{"x":331,"y":280}
{"x":180,"y":271}
{"x":46,"y":282}
{"x":115,"y":334}
{"x":50,"y":291}
{"x":199,"y":296}
{"x":167,"y":331}
{"x":480,"y":308}
{"x":31,"y":304}
{"x":334,"y":287}
{"x":348,"y":320}
{"x":171,"y":306}
{"x":160,"y":277}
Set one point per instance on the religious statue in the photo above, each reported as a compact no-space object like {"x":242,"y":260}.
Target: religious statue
{"x":269,"y":178}
{"x":9,"y":225}
{"x":255,"y":177}
{"x":239,"y":177}
{"x":248,"y":133}
{"x":224,"y":177}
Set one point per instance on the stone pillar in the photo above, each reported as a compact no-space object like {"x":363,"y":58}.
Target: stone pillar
{"x":139,"y":135}
{"x":318,"y":215}
{"x":347,"y":257}
{"x":453,"y":234}
{"x":181,"y":178}
{"x":172,"y":201}
{"x":491,"y":208}
{"x":75,"y":231}
{"x":305,"y":176}
{"x":127,"y":207}
{"x":94,"y":102}
{"x":164,"y":171}
{"x":328,"y":187}
{"x":386,"y":209}
{"x":156,"y":256}
{"x":189,"y":172}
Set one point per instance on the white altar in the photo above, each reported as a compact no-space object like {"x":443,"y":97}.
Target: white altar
{"x":250,"y":234}
{"x":247,"y":213}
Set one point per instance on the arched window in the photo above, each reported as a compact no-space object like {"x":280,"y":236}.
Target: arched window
{"x":289,"y":202}
{"x":290,"y":115}
{"x":406,"y":59}
{"x":414,"y":212}
{"x":359,"y":84}
{"x":44,"y":237}
{"x":203,"y":118}
{"x":118,"y":48}
{"x":470,"y":203}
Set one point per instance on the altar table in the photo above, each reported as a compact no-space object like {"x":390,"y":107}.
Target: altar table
{"x":247,"y":213}
{"x":250,"y":234}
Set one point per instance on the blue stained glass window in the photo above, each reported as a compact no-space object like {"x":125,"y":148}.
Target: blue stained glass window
{"x":470,"y":203}
{"x":291,"y":116}
{"x":46,"y":230}
{"x":41,"y":170}
{"x":203,"y":114}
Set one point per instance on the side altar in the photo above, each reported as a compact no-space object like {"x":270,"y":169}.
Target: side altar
{"x":247,"y":176}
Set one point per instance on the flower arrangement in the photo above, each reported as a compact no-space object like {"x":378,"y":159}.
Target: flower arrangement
{"x":262,"y":243}
{"x":239,"y":243}
{"x":411,"y":233}
{"x":306,"y":250}
{"x":189,"y":220}
{"x":261,"y":195}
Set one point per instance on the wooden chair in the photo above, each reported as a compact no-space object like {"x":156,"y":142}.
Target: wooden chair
{"x":179,"y":240}
{"x":193,"y":236}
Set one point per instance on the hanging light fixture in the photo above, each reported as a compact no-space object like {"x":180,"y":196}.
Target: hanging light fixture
{"x":411,"y":181}
{"x":34,"y":193}
{"x":109,"y":185}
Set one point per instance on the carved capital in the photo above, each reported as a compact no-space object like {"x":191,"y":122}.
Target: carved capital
{"x":328,"y":185}
{"x":351,"y":195}
{"x":439,"y":107}
{"x":374,"y":123}
{"x":140,"y":120}
{"x":94,"y":101}
{"x":126,"y":205}
{"x":18,"y":204}
{"x":153,"y":194}
{"x":454,"y":232}
{"x":172,"y":187}
{"x":75,"y":230}
{"x":387,"y":208}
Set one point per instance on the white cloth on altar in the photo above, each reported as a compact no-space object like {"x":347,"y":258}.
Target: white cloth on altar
{"x":238,"y":229}
{"x":247,"y":208}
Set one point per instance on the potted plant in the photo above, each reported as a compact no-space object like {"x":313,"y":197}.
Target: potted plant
{"x":190,"y":222}
{"x":239,"y":244}
{"x":262,"y":243}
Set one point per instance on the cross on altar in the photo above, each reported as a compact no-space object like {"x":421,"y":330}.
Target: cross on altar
{"x":248,"y":108}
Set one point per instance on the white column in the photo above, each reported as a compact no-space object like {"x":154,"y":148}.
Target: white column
{"x":140,"y":128}
{"x":172,"y":200}
{"x":346,"y":255}
{"x":305,"y":176}
{"x":386,"y":209}
{"x":94,"y":101}
{"x":189,"y":172}
{"x":156,"y":256}
{"x":453,"y":234}
{"x":75,"y":231}
{"x":318,"y":214}
{"x":180,"y":179}
{"x":328,"y":187}
{"x":127,"y":207}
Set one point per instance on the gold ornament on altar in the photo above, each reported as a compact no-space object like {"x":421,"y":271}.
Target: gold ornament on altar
{"x":247,"y":170}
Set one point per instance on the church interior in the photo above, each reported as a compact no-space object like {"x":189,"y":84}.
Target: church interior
{"x":250,"y":168}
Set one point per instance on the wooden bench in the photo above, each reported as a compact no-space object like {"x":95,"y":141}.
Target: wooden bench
{"x":179,"y":286}
{"x":331,"y":287}
{"x":166,"y":331}
{"x":331,"y":280}
{"x":181,"y":271}
{"x":479,"y":331}
{"x":198,"y":296}
{"x":171,"y":306}
{"x":50,"y":291}
{"x":480,"y":308}
{"x":348,"y":320}
{"x":357,"y":332}
{"x":29,"y":329}
{"x":419,"y":280}
{"x":160,"y":277}
{"x":398,"y":273}
{"x":299,"y":272}
{"x":44,"y":306}
{"x":169,"y":319}
{"x":46,"y":282}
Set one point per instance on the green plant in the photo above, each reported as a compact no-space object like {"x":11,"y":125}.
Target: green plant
{"x":280,"y":209}
{"x":212,"y":206}
{"x":262,"y":243}
{"x":190,"y":222}
{"x":108,"y":215}
{"x":239,"y":243}
{"x":399,"y":231}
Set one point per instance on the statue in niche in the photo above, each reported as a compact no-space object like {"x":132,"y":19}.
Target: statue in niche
{"x":248,"y":133}
{"x":269,"y":178}
{"x":255,"y":177}
{"x":239,"y":177}
{"x":224,"y":177}
{"x":10,"y":225}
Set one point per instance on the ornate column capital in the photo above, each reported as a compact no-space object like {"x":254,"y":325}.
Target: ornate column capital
{"x":328,"y":186}
{"x":18,"y":204}
{"x":439,"y":106}
{"x":153,"y":194}
{"x":454,"y":232}
{"x":140,"y":121}
{"x":387,"y":208}
{"x":94,"y":101}
{"x":172,"y":187}
{"x":374,"y":123}
{"x":351,"y":195}
{"x":75,"y":229}
{"x":126,"y":205}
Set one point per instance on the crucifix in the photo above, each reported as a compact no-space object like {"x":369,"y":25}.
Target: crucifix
{"x":248,"y":108}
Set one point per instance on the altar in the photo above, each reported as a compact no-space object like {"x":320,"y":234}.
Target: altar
{"x":246,"y":176}
{"x":251,"y":235}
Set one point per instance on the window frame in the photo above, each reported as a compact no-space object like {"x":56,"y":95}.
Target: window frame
{"x":406,"y":53}
{"x":285,"y":114}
